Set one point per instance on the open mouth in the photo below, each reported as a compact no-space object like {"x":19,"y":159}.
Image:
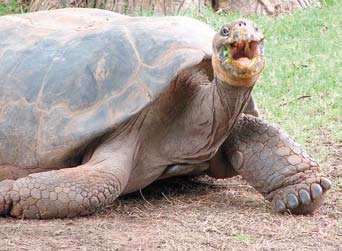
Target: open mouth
{"x":243,"y":55}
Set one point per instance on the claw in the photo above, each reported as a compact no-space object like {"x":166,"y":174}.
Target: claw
{"x":292,"y":201}
{"x":326,"y":183}
{"x":304,"y":196}
{"x":237,"y":160}
{"x":316,"y":190}
{"x":280,"y":206}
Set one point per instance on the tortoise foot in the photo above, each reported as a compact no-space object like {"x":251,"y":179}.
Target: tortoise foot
{"x":5,"y":200}
{"x":302,"y":198}
{"x":276,"y":166}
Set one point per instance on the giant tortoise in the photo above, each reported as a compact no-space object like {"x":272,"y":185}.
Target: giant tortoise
{"x":94,"y":105}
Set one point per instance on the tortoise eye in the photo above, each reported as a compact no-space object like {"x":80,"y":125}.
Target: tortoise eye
{"x":225,"y":31}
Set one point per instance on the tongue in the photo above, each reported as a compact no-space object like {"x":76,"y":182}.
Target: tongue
{"x":244,"y":60}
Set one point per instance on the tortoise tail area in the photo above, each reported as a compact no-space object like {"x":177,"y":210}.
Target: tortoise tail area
{"x":276,"y":166}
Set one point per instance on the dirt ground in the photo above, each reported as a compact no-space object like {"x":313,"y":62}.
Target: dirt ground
{"x":189,"y":214}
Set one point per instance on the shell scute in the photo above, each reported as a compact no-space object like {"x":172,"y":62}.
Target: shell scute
{"x":82,"y":72}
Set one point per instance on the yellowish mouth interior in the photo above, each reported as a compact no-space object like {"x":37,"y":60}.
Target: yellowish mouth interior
{"x":242,"y":54}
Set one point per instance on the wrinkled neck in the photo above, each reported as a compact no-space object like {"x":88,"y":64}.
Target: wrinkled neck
{"x":230,"y":101}
{"x":203,"y":125}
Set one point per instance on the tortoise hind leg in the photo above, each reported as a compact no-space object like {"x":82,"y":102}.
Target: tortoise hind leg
{"x":67,"y":192}
{"x":276,"y":166}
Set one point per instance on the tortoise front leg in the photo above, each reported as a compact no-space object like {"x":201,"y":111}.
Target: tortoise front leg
{"x":276,"y":166}
{"x":67,"y":192}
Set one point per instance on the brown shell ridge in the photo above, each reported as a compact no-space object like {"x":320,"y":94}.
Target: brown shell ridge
{"x":135,"y":77}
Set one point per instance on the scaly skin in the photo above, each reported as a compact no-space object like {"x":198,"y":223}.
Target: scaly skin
{"x":55,"y":194}
{"x":276,"y":166}
{"x":63,"y":193}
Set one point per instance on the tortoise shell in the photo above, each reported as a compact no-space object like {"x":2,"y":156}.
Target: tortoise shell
{"x":70,"y":76}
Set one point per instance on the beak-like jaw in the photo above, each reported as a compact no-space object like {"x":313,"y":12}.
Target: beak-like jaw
{"x":238,"y":53}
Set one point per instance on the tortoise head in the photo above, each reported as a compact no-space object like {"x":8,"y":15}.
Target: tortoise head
{"x":238,"y":55}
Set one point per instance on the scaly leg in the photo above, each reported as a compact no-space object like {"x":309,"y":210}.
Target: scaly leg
{"x":219,"y":165}
{"x":276,"y":166}
{"x":67,"y":192}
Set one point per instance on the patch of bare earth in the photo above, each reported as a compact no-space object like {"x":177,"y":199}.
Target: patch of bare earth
{"x":187,"y":214}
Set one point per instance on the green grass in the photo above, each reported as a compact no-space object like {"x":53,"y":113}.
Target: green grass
{"x":13,"y":7}
{"x":301,"y":87}
{"x":243,"y":237}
